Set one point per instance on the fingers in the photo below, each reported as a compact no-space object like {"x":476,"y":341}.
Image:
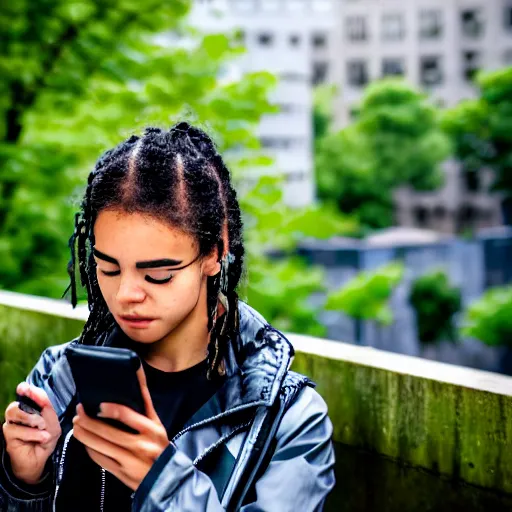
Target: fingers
{"x":146,"y":396}
{"x":129,"y":417}
{"x":13,"y":414}
{"x":99,"y":444}
{"x":13,"y":431}
{"x":104,"y":430}
{"x":113,"y":467}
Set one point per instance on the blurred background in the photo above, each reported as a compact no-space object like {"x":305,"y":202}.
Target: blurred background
{"x":370,"y":141}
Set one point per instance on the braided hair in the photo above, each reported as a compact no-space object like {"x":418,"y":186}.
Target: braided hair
{"x":178,"y":177}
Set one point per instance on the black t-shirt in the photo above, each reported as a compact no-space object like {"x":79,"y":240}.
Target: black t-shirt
{"x":176,"y":397}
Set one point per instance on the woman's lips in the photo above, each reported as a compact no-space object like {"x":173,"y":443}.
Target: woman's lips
{"x":136,"y":322}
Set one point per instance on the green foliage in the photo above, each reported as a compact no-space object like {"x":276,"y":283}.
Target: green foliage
{"x":75,"y":79}
{"x":489,"y":319}
{"x":279,"y":288}
{"x":436,"y":303}
{"x":345,"y":171}
{"x":78,"y":77}
{"x":366,"y":296}
{"x":395,"y":141}
{"x":482,"y":128}
{"x":323,"y":99}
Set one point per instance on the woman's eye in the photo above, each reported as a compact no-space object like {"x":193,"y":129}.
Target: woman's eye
{"x":110,"y":273}
{"x":159,"y":277}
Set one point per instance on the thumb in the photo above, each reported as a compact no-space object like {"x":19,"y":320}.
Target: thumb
{"x":36,"y":394}
{"x":41,"y":398}
{"x":146,"y":396}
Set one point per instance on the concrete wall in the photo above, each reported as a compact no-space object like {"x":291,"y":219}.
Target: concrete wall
{"x":416,"y":417}
{"x":410,"y":434}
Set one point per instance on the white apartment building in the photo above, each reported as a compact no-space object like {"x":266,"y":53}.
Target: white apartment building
{"x":293,"y":40}
{"x":437,"y":45}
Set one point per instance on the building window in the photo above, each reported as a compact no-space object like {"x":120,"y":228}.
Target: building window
{"x":319,"y":72}
{"x":472,"y":23}
{"x":471,"y":181}
{"x":393,"y":67}
{"x":294,"y":40}
{"x":298,"y":176}
{"x":421,"y":216}
{"x":508,"y":18}
{"x":289,"y":108}
{"x":356,"y":28}
{"x":430,"y":70}
{"x":292,"y":76}
{"x":439,"y":212}
{"x":319,"y":40}
{"x":470,"y":64}
{"x":431,"y":24}
{"x":265,"y":39}
{"x":280,"y":142}
{"x":393,"y":27}
{"x":357,"y":73}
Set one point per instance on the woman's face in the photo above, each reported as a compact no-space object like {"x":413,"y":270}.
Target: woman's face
{"x":139,"y":267}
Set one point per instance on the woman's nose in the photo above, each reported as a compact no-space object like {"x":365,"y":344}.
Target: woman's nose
{"x":129,"y":291}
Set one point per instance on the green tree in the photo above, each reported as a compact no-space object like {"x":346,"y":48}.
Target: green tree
{"x":435,"y":302}
{"x":75,"y":78}
{"x":489,"y":319}
{"x":323,"y":100}
{"x":482,"y":129}
{"x":395,"y":141}
{"x":366,"y":296}
{"x":280,"y":287}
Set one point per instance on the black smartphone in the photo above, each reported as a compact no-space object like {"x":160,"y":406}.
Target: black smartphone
{"x":106,"y":374}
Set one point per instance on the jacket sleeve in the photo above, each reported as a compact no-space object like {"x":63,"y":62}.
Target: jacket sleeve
{"x":14,"y":494}
{"x":299,"y":477}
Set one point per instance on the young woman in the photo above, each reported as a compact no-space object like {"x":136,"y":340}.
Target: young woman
{"x":227,"y":425}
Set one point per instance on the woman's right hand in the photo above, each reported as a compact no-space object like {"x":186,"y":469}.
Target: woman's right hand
{"x":30,"y":438}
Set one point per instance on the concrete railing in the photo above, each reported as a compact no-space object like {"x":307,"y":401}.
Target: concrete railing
{"x":407,"y":431}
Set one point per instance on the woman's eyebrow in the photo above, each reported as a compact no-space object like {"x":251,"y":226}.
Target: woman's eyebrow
{"x":158,"y":263}
{"x":104,"y":257}
{"x":140,"y":264}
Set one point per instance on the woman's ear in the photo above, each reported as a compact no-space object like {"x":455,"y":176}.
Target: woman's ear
{"x":211,"y":264}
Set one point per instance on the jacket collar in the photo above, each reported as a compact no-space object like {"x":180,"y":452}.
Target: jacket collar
{"x":256,"y":361}
{"x":260,"y":355}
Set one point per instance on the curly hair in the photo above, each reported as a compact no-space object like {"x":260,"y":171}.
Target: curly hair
{"x":176,"y":176}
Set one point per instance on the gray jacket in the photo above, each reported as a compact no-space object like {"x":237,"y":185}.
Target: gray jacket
{"x":262,"y":443}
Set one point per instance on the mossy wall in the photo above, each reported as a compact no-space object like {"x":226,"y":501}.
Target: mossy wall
{"x":402,"y":442}
{"x":463,"y":434}
{"x":23,"y":337}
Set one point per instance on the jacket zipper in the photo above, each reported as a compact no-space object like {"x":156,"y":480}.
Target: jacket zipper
{"x":61,"y":467}
{"x":102,"y":493}
{"x":61,"y":471}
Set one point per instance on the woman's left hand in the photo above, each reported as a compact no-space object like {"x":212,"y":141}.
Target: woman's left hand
{"x":127,"y":456}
